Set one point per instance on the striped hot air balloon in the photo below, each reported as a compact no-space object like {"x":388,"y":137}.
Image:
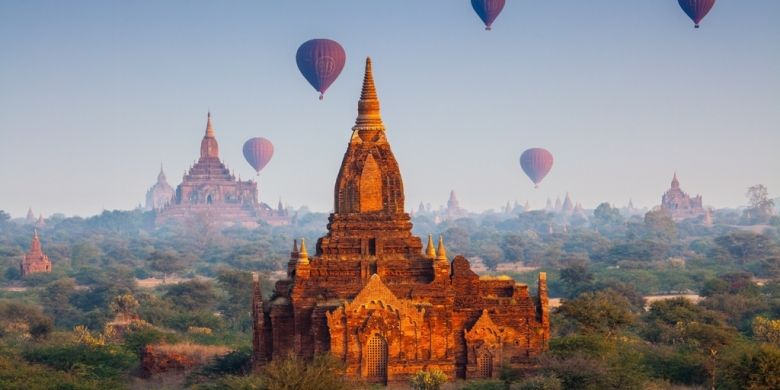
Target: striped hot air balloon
{"x":320,"y":61}
{"x":536,"y":163}
{"x":258,"y":152}
{"x":696,"y":9}
{"x":488,"y":10}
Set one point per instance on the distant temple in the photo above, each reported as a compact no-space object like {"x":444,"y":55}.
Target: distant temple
{"x":30,"y":218}
{"x":453,"y":207}
{"x":680,"y":205}
{"x":209,"y":190}
{"x":35,"y":260}
{"x":374,"y":299}
{"x":161,"y":193}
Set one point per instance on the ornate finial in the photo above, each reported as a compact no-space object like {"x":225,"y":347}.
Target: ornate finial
{"x":368,"y":106}
{"x":430,"y":251}
{"x":675,"y":182}
{"x":303,"y":255}
{"x":209,"y":127}
{"x":295,"y":246}
{"x":441,"y":251}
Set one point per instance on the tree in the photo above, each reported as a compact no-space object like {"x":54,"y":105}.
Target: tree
{"x":194,"y":295}
{"x":604,"y":312}
{"x":165,"y":262}
{"x":766,"y":330}
{"x":660,"y":225}
{"x":607,"y":219}
{"x":576,"y":278}
{"x":761,"y":207}
{"x":236,"y":306}
{"x":125,"y":306}
{"x":4,"y":217}
{"x":752,"y":368}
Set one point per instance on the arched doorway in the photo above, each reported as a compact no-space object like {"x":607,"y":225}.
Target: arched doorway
{"x":376,"y":359}
{"x":209,"y":200}
{"x":485,"y":365}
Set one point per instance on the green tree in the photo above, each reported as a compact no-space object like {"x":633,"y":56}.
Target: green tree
{"x":576,"y":278}
{"x":604,"y":312}
{"x":761,"y":206}
{"x":236,"y":304}
{"x":607,"y":220}
{"x":165,"y":262}
{"x":193,"y":295}
{"x":660,"y":225}
{"x":752,"y":368}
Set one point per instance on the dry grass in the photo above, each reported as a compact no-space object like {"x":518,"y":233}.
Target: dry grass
{"x":197,"y":352}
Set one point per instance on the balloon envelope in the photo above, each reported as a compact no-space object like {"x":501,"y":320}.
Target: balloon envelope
{"x":320,"y":62}
{"x":258,"y":152}
{"x":536,"y":163}
{"x":696,"y":9}
{"x":487,"y":10}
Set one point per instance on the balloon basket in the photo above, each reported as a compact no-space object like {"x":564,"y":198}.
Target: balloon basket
{"x":695,"y":26}
{"x":322,"y":96}
{"x":488,"y":28}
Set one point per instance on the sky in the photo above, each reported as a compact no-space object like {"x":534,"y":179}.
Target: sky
{"x":95,"y":95}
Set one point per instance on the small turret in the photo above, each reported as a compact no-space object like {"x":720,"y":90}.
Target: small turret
{"x":303,"y":255}
{"x":430,"y":251}
{"x":441,"y":251}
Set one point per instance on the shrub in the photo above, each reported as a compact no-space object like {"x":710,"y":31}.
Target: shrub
{"x":428,"y":379}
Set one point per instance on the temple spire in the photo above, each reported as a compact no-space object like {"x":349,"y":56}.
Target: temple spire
{"x":368,"y":106}
{"x":430,"y":251}
{"x":303,"y":254}
{"x":210,"y":127}
{"x":675,"y":182}
{"x":441,"y":251}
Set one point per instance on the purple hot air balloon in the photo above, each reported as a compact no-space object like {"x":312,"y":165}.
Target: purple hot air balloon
{"x":696,"y":9}
{"x":487,"y":10}
{"x":320,"y":61}
{"x":536,"y":163}
{"x":258,"y":152}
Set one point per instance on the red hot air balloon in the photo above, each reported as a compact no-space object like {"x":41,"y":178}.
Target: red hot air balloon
{"x":258,"y":152}
{"x":487,"y":10}
{"x":536,"y":163}
{"x":696,"y":9}
{"x":320,"y":61}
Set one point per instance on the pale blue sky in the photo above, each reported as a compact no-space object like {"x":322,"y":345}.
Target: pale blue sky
{"x":95,"y":94}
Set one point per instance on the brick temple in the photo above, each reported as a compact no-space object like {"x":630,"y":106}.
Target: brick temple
{"x":679,"y":204}
{"x":35,"y":261}
{"x":373,"y":297}
{"x":208,"y":190}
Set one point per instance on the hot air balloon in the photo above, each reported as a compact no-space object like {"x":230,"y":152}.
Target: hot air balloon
{"x":320,"y":61}
{"x":536,"y":163}
{"x":696,"y":9}
{"x":258,"y":152}
{"x":487,"y":10}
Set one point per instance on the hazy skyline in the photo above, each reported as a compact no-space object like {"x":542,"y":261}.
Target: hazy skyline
{"x":94,"y":95}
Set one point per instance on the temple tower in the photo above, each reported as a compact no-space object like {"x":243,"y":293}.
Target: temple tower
{"x":35,"y":260}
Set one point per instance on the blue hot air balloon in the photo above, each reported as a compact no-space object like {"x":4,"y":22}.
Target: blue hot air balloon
{"x":488,"y":10}
{"x":321,"y":61}
{"x":696,"y":9}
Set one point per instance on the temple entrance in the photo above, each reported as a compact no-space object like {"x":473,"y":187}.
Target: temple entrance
{"x":485,"y":365}
{"x":209,"y":200}
{"x":376,"y":359}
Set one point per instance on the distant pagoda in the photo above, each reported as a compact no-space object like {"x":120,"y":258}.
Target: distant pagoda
{"x":679,"y":204}
{"x":35,"y":261}
{"x":210,"y":191}
{"x":161,"y":193}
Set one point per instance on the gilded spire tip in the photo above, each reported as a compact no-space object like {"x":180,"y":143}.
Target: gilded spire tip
{"x":368,"y":106}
